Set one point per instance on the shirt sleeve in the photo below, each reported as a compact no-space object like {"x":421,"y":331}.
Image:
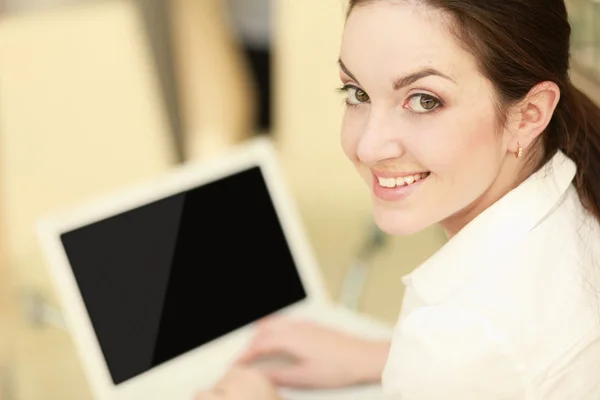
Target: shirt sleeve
{"x":446,"y":352}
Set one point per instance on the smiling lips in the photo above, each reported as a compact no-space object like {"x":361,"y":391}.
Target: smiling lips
{"x":401,"y":180}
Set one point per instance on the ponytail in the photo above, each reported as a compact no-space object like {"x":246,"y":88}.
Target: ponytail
{"x":575,"y":130}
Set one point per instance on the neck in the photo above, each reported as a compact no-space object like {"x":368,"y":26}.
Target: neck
{"x":512,"y":173}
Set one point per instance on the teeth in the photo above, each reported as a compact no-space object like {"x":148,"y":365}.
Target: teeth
{"x":387,"y":182}
{"x":402,"y":181}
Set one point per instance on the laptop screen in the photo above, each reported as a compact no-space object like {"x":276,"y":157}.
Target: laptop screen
{"x":167,"y":277}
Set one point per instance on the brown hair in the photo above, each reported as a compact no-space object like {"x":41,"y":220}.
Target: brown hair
{"x":518,"y":44}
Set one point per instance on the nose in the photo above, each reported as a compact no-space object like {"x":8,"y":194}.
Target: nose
{"x":381,"y":139}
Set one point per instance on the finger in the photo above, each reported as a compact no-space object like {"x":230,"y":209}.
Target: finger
{"x":258,"y":350}
{"x":266,"y":322}
{"x":296,"y":375}
{"x":244,"y":379}
{"x":266,"y":344}
{"x":244,"y":375}
{"x":234,"y":374}
{"x":274,"y":323}
{"x":265,"y":330}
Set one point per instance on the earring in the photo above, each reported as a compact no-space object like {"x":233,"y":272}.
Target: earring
{"x":519,"y":153}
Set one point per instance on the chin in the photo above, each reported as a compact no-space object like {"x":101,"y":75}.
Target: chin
{"x":399,"y":223}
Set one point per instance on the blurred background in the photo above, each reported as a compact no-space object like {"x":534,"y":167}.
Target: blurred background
{"x":96,"y":95}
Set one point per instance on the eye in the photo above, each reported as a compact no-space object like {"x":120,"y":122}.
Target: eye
{"x":422,"y":103}
{"x":355,"y":95}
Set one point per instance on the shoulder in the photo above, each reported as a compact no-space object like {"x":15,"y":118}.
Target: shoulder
{"x":450,"y":352}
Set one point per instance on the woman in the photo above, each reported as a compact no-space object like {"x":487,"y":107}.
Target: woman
{"x":461,"y":112}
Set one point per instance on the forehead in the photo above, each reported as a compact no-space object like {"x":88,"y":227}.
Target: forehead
{"x":399,"y":37}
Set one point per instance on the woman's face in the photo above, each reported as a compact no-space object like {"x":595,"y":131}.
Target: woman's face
{"x":421,"y":123}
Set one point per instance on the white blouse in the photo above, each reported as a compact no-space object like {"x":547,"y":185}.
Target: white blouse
{"x":509,"y":308}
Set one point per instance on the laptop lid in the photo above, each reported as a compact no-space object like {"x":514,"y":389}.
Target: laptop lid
{"x":162,"y":271}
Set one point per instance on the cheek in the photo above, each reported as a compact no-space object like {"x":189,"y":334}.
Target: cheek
{"x":350,"y":136}
{"x":463,"y":147}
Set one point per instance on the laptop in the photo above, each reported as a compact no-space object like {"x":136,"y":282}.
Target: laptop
{"x":162,"y":284}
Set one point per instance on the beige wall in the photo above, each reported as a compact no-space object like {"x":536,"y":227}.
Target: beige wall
{"x":79,"y":126}
{"x":586,"y":84}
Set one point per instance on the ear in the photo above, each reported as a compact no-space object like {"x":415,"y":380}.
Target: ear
{"x":530,"y":117}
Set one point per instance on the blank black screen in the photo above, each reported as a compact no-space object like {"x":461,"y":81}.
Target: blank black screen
{"x":167,"y":277}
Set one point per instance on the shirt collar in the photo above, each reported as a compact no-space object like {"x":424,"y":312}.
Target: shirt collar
{"x":503,"y":223}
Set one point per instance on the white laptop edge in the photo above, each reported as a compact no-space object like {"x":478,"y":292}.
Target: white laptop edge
{"x":253,"y":152}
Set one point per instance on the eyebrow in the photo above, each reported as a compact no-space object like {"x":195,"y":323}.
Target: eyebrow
{"x":405,"y":80}
{"x":345,"y":70}
{"x":415,"y":76}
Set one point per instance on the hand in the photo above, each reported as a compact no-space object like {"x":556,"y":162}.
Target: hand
{"x":241,"y":384}
{"x":323,"y":357}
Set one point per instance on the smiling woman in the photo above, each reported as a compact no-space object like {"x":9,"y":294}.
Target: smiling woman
{"x":462,"y":113}
{"x":462,"y":100}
